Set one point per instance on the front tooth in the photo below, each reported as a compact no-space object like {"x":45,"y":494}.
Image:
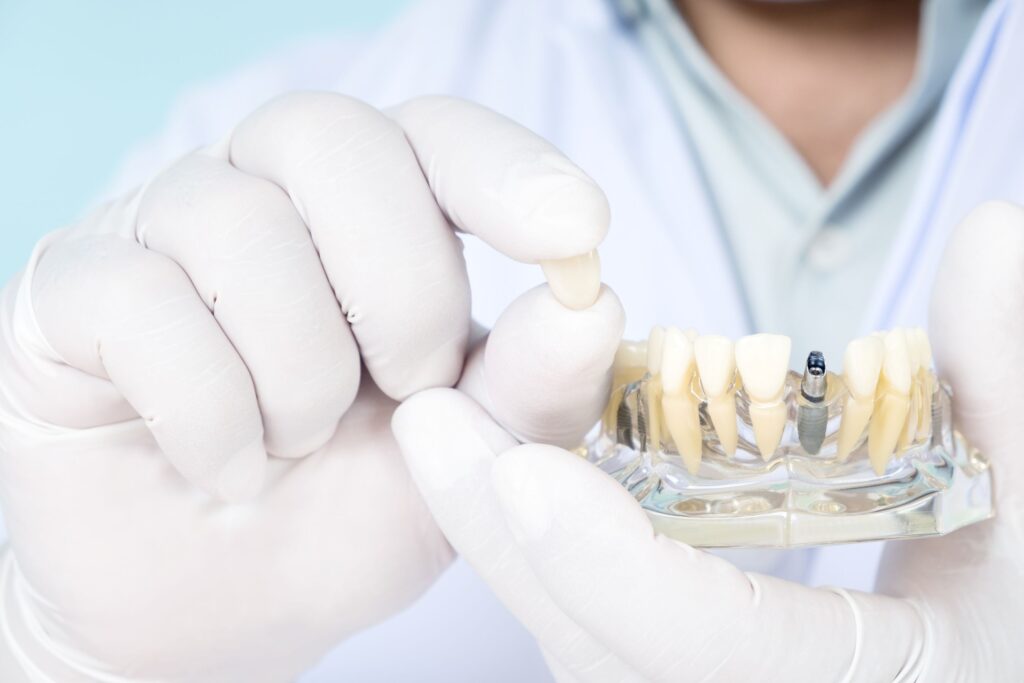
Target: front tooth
{"x":892,"y":402}
{"x":575,"y":281}
{"x":914,"y":355}
{"x":716,"y":364}
{"x":679,"y":405}
{"x":763,"y":361}
{"x":655,"y":346}
{"x":862,"y":362}
{"x":918,"y":340}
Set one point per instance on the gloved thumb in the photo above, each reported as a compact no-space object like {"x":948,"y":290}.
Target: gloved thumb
{"x":977,"y":325}
{"x":544,"y":371}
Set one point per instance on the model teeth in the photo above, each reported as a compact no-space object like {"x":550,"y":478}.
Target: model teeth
{"x":655,"y":346}
{"x":679,"y":404}
{"x":716,"y":364}
{"x":763,"y":361}
{"x":862,"y":363}
{"x":575,"y":281}
{"x":892,"y":400}
{"x":890,"y":391}
{"x":925,"y":385}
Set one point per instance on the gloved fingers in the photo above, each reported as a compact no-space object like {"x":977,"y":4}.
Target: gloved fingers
{"x":501,"y":182}
{"x":674,"y":613}
{"x":114,"y":310}
{"x":449,"y":443}
{"x":395,"y":265}
{"x":546,"y":368}
{"x":977,"y":329}
{"x":252,"y":261}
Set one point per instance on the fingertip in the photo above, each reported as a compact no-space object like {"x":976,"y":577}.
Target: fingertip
{"x":547,"y":367}
{"x":439,"y":367}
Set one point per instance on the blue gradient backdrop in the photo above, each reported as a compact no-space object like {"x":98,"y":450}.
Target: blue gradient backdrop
{"x":81,"y":82}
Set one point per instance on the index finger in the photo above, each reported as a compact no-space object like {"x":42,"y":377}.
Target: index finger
{"x":508,"y":186}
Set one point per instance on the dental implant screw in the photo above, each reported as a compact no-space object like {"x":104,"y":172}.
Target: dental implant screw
{"x":812,"y":412}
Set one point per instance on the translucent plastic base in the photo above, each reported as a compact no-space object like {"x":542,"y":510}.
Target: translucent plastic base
{"x":933,"y":484}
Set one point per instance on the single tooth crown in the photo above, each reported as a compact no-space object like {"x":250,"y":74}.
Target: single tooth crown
{"x":716,"y":363}
{"x":575,"y":281}
{"x":715,"y":465}
{"x":763,"y":360}
{"x":677,"y":362}
{"x":631,"y":354}
{"x":896,"y":364}
{"x":862,"y":364}
{"x":655,"y":345}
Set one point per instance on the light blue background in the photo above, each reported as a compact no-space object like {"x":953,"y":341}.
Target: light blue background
{"x":81,"y":82}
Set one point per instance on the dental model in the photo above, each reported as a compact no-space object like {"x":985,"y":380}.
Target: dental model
{"x":724,"y":446}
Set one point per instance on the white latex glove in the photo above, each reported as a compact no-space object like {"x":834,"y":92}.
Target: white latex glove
{"x":152,"y":356}
{"x":574,"y":557}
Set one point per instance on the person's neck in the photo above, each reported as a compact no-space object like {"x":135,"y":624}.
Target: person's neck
{"x":819,"y":71}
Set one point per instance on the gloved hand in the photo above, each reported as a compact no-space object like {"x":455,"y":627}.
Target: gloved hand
{"x":152,"y":357}
{"x":574,"y":557}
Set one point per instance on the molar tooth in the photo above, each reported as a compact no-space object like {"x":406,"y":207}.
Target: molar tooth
{"x":716,"y":364}
{"x":763,"y":361}
{"x":892,"y":402}
{"x":575,"y":281}
{"x":862,"y":363}
{"x":679,"y":405}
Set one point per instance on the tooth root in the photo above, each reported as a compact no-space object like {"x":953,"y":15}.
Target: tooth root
{"x":683,"y":422}
{"x":918,"y":339}
{"x":722,"y":411}
{"x":575,"y":281}
{"x":716,"y":365}
{"x":855,"y":418}
{"x":893,"y":401}
{"x":769,"y":423}
{"x":886,"y":425}
{"x":924,"y":418}
{"x":909,"y":432}
{"x":862,"y":365}
{"x":763,"y":361}
{"x":678,"y":403}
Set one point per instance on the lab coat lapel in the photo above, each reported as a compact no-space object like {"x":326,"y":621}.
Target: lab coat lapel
{"x":974,"y":156}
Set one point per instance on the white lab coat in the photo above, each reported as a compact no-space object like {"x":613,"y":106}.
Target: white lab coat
{"x":571,"y":71}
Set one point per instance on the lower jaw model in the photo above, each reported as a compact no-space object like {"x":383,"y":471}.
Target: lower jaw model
{"x":724,"y":446}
